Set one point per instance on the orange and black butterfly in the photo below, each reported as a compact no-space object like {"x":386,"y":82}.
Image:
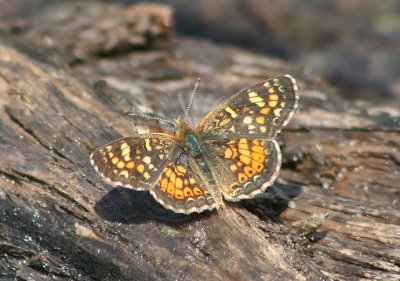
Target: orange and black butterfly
{"x":231,"y":155}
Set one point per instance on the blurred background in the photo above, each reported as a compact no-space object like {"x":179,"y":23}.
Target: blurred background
{"x":354,"y":45}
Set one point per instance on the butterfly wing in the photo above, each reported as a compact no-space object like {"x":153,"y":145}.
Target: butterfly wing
{"x":238,"y":137}
{"x":259,"y":111}
{"x":135,"y":162}
{"x":244,"y":167}
{"x":181,"y":189}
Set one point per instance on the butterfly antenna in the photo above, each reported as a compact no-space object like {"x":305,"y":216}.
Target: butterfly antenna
{"x":145,"y":116}
{"x":191,"y":98}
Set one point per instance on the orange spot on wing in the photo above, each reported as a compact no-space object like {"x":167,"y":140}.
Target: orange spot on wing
{"x":140,"y":168}
{"x":273,"y":97}
{"x":120,"y":165}
{"x":272,"y":103}
{"x":179,"y":183}
{"x":244,"y":152}
{"x":181,"y":169}
{"x":179,"y":194}
{"x":228,"y":153}
{"x":130,"y":165}
{"x":243,"y":146}
{"x":115,"y":160}
{"x":258,"y":149}
{"x":172,"y":177}
{"x":245,"y":159}
{"x":242,"y":177}
{"x":171,"y":189}
{"x":257,"y":166}
{"x":168,"y":172}
{"x":258,"y":157}
{"x":188,"y":192}
{"x":265,"y":110}
{"x":235,"y":152}
{"x":197,"y":191}
{"x":249,"y":171}
{"x":164,"y":184}
{"x":260,"y":120}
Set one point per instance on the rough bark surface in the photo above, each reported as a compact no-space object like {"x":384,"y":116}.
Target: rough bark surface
{"x":60,"y":221}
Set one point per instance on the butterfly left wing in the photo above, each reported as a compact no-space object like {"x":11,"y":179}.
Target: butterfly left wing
{"x":181,"y":189}
{"x":135,"y":162}
{"x":243,"y":167}
{"x":259,"y":111}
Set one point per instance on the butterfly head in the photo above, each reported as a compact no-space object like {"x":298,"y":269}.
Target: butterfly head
{"x":182,"y":128}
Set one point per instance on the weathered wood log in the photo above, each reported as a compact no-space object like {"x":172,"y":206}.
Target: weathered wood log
{"x":60,"y":221}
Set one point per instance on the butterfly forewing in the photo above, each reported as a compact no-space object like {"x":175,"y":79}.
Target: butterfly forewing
{"x":135,"y":162}
{"x":259,"y":111}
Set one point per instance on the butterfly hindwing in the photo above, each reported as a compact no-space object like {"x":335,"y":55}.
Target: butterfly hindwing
{"x":244,"y":167}
{"x":258,"y":111}
{"x":134,"y":162}
{"x":181,"y":189}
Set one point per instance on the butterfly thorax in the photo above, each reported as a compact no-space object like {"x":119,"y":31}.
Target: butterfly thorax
{"x":189,"y":138}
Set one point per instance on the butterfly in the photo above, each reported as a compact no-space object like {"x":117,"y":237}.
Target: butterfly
{"x":231,"y":155}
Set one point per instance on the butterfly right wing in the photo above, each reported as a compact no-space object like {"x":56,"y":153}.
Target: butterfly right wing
{"x":258,"y":112}
{"x":243,"y":167}
{"x":135,"y":162}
